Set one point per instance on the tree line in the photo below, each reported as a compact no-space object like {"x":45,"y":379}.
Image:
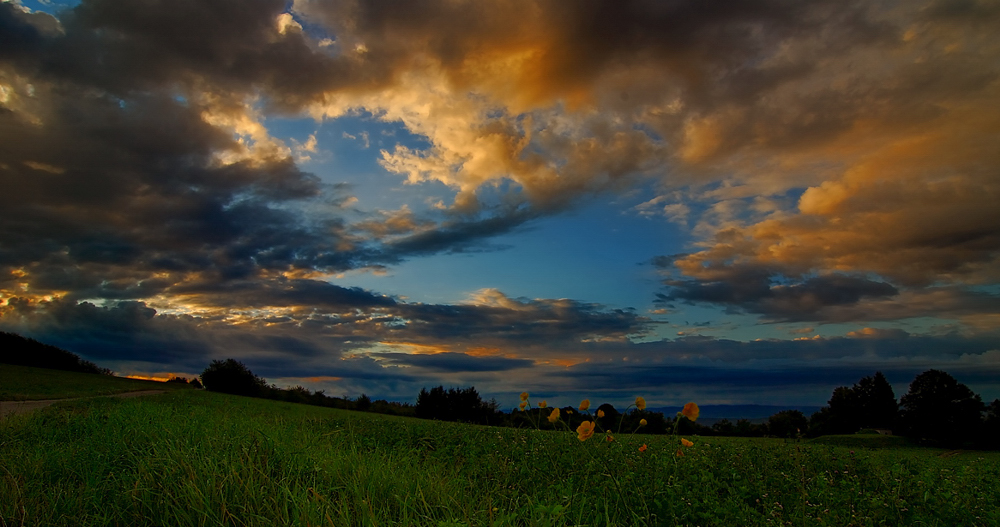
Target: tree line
{"x":937,"y":409}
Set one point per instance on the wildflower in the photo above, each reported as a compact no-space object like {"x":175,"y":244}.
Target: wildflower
{"x":691,"y":411}
{"x":642,"y":448}
{"x":600,"y":413}
{"x":522,"y":405}
{"x":584,"y":405}
{"x":542,"y":404}
{"x":524,"y":396}
{"x":554,"y":416}
{"x":585,"y":430}
{"x":640,"y":403}
{"x":685,"y":442}
{"x":679,"y":453}
{"x":642,"y":422}
{"x":609,"y":438}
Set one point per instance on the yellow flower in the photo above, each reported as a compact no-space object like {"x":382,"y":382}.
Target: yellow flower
{"x":685,"y":442}
{"x":554,"y":416}
{"x":524,"y":396}
{"x":542,"y":404}
{"x":523,"y":404}
{"x":609,"y":438}
{"x":585,"y":430}
{"x":640,"y":403}
{"x":691,"y":411}
{"x":679,"y":453}
{"x":600,"y":413}
{"x":642,"y":422}
{"x":584,"y":405}
{"x":642,"y":448}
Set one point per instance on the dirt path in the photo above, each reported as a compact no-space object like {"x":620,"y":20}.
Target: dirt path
{"x":20,"y":407}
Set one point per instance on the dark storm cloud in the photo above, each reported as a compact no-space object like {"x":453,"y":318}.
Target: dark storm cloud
{"x":455,"y":362}
{"x":462,"y":235}
{"x":758,"y":290}
{"x":872,"y":343}
{"x":281,"y":292}
{"x":513,"y":321}
{"x":232,"y":46}
{"x":813,"y":382}
{"x":113,"y":186}
{"x":123,"y":331}
{"x":137,"y":173}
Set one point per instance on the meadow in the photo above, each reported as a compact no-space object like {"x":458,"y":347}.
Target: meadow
{"x":26,"y":383}
{"x":191,"y":457}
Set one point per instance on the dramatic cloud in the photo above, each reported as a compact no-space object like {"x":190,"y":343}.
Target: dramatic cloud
{"x":830,"y":163}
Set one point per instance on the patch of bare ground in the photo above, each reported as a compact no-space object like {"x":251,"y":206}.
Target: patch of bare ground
{"x":20,"y":407}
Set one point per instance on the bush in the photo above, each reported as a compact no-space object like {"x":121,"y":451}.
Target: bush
{"x":232,"y":376}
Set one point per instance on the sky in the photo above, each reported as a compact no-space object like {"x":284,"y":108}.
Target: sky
{"x":727,"y":202}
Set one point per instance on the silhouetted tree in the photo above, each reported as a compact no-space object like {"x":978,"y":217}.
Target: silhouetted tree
{"x":610,"y":419}
{"x":724,"y":427}
{"x":656,"y":423}
{"x":990,"y":433}
{"x":787,"y":423}
{"x":745,"y":428}
{"x":870,"y":403}
{"x":840,"y":416}
{"x":21,"y":351}
{"x":455,"y":404}
{"x":941,"y":409}
{"x":363,"y":403}
{"x":181,"y":380}
{"x":232,"y":376}
{"x":876,"y":402}
{"x":196,"y":383}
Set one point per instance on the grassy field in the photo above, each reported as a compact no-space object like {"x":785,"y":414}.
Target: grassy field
{"x":24,"y":383}
{"x":197,"y":458}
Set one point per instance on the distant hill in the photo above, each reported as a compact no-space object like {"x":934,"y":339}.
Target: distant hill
{"x":757,"y":413}
{"x":21,"y":351}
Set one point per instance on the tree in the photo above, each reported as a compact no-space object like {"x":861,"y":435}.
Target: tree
{"x":990,"y":433}
{"x":455,"y":404}
{"x":941,"y":409}
{"x":724,"y":427}
{"x":611,"y":417}
{"x":876,"y":402}
{"x":232,"y":376}
{"x":363,"y":403}
{"x":870,"y":403}
{"x":787,"y":423}
{"x":841,"y":414}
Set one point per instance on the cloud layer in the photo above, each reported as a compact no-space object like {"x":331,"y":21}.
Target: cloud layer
{"x":834,"y":163}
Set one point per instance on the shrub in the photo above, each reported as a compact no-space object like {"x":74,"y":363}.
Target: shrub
{"x":232,"y":376}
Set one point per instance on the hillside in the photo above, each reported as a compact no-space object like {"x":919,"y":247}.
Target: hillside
{"x":191,"y":457}
{"x":21,"y":351}
{"x":25,"y":383}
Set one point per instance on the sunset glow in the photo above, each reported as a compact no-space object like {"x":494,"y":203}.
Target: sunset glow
{"x":736,"y":202}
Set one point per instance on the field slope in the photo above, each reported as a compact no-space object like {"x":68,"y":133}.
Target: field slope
{"x":191,"y":457}
{"x":25,"y":383}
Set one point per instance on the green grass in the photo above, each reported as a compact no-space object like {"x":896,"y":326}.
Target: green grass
{"x":198,"y":458}
{"x":24,"y":383}
{"x":865,"y":441}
